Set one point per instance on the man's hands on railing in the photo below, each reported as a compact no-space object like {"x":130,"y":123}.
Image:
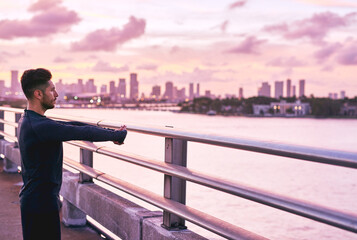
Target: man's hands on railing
{"x":122,"y":128}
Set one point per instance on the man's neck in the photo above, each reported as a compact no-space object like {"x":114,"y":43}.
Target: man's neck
{"x":36,"y":108}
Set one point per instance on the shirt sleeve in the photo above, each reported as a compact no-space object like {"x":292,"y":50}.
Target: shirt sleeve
{"x":50,"y":130}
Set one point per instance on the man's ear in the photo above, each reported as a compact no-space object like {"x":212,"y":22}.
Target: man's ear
{"x":38,"y":94}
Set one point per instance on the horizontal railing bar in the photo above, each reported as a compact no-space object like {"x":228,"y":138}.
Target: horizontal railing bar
{"x":12,"y":137}
{"x":204,"y":220}
{"x":333,"y":157}
{"x":13,"y":124}
{"x":82,"y":167}
{"x":302,"y":208}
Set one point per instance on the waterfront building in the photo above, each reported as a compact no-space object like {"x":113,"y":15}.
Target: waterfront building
{"x":198,"y":90}
{"x":264,"y":90}
{"x":2,"y":88}
{"x":134,"y":86}
{"x":342,"y":94}
{"x":79,"y":88}
{"x":156,"y":92}
{"x":180,"y":94}
{"x":112,"y":88}
{"x":169,"y":91}
{"x":301,"y":88}
{"x":288,"y":88}
{"x":90,"y":87}
{"x":15,"y":84}
{"x":293,"y":91}
{"x":208,"y":93}
{"x":279,"y":87}
{"x":191,"y":94}
{"x":122,"y":88}
{"x":240,"y":94}
{"x":282,"y":108}
{"x":103,"y":89}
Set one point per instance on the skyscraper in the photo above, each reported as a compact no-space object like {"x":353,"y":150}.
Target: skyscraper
{"x":103,"y":89}
{"x":169,"y":91}
{"x":301,"y":88}
{"x":279,"y":88}
{"x":264,"y":90}
{"x":293,"y":89}
{"x":156,"y":91}
{"x":288,"y":88}
{"x":134,"y":86}
{"x":122,"y":88}
{"x":191,"y":93}
{"x":343,"y":95}
{"x":198,"y":90}
{"x":112,"y":88}
{"x":2,"y":88}
{"x":240,"y":93}
{"x":15,"y":85}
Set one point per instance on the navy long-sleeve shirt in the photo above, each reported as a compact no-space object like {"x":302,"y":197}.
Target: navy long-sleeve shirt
{"x":40,"y":142}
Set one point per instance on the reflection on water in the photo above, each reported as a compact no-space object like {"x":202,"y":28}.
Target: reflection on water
{"x":335,"y":187}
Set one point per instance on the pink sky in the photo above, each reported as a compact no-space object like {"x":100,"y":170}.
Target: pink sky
{"x":223,"y":45}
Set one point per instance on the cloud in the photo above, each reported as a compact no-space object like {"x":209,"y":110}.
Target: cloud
{"x":348,"y":55}
{"x":331,"y":3}
{"x":237,"y":4}
{"x":224,"y":26}
{"x":326,"y":51}
{"x":314,"y":28}
{"x":149,"y":67}
{"x":248,"y":46}
{"x":13,"y":55}
{"x":43,"y":5}
{"x":62,"y":60}
{"x":175,"y":49}
{"x":102,"y":66}
{"x":49,"y":20}
{"x":108,"y":40}
{"x":286,"y":62}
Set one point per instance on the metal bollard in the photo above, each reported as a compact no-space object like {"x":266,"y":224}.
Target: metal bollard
{"x":86,"y":158}
{"x":175,"y":188}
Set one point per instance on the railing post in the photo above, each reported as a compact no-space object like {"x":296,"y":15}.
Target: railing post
{"x":17,"y":119}
{"x":1,"y":124}
{"x":86,"y":158}
{"x":175,"y":188}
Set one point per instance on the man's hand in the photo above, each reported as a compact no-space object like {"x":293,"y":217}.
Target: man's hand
{"x":122,"y":128}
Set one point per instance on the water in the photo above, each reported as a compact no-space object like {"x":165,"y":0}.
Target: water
{"x":335,"y":187}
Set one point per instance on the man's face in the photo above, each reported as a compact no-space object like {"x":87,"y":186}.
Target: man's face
{"x":49,"y":96}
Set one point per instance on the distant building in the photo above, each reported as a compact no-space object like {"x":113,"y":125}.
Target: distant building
{"x":301,"y":88}
{"x":15,"y":84}
{"x":240,"y":93}
{"x":2,"y":88}
{"x":264,"y":90}
{"x":156,"y":92}
{"x":293,"y":90}
{"x":198,"y":90}
{"x":90,"y":87}
{"x":79,"y":87}
{"x":349,"y":109}
{"x":279,"y":88}
{"x":342,"y":94}
{"x":122,"y":88}
{"x":134,"y":86}
{"x":208,"y":93}
{"x":288,"y":88}
{"x":169,"y":91}
{"x":282,"y":108}
{"x":181,"y":94}
{"x":191,"y":93}
{"x":103,"y":89}
{"x":112,"y":88}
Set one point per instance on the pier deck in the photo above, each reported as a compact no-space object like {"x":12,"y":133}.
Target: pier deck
{"x":10,"y":220}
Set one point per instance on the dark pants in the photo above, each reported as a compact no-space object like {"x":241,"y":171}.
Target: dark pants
{"x":38,"y":226}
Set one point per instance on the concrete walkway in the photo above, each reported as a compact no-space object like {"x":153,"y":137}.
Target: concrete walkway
{"x":10,"y":220}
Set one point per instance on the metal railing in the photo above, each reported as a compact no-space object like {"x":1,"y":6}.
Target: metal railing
{"x":176,"y":175}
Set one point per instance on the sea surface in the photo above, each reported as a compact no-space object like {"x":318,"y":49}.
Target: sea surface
{"x":334,"y":187}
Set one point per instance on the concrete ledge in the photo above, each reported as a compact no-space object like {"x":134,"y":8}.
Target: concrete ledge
{"x":9,"y":165}
{"x":152,"y":230}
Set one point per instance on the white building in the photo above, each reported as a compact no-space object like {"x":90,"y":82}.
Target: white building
{"x":282,"y":108}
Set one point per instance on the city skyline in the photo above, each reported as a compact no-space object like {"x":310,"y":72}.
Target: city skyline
{"x":221,"y":45}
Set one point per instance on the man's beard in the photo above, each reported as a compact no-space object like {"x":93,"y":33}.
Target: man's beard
{"x":46,"y":105}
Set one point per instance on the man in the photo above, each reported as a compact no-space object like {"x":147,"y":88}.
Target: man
{"x":40,"y":142}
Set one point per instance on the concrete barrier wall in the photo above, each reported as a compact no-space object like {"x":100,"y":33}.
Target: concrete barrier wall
{"x":122,"y":217}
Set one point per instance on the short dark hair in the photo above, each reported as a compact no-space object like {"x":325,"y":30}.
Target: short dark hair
{"x":33,"y":79}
